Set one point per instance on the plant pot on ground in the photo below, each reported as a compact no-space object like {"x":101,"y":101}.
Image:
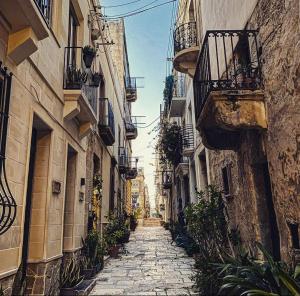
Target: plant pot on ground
{"x":89,"y":54}
{"x":92,"y":253}
{"x":113,"y":251}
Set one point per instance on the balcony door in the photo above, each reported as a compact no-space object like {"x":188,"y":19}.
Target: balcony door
{"x":72,"y":36}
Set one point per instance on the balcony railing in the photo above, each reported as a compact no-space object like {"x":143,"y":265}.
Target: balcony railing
{"x":187,"y":138}
{"x":229,"y":60}
{"x":131,"y":129}
{"x":123,"y":160}
{"x":45,"y":9}
{"x":106,"y":122}
{"x":77,"y":76}
{"x":131,"y":88}
{"x":8,"y":207}
{"x":132,"y":171}
{"x":179,"y":89}
{"x":185,"y":36}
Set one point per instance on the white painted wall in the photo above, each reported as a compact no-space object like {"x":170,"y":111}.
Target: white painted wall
{"x":226,"y":14}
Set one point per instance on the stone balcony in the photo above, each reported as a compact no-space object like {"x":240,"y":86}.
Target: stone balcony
{"x":79,"y":92}
{"x":27,"y":24}
{"x":227,"y":88}
{"x":186,"y":48}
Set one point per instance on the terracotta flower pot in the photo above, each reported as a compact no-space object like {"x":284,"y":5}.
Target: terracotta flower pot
{"x":114,"y":251}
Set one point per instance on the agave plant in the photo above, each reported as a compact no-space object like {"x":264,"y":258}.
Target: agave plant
{"x":70,"y":276}
{"x":245,"y":276}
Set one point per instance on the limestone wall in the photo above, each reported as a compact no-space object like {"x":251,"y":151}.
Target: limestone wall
{"x":278,"y":24}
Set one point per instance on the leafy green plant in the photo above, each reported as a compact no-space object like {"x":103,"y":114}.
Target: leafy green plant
{"x":70,"y":276}
{"x":93,"y":249}
{"x":206,"y":225}
{"x":169,"y":144}
{"x":246,"y":276}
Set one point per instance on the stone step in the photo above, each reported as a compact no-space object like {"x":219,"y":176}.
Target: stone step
{"x":152,"y":222}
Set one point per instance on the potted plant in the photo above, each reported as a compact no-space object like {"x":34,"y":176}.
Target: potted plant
{"x":92,"y":254}
{"x":96,"y":79}
{"x":89,"y":54}
{"x":133,"y":222}
{"x":75,"y":78}
{"x":70,"y":278}
{"x":113,"y":248}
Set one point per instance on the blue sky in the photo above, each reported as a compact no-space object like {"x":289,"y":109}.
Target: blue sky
{"x":147,"y":41}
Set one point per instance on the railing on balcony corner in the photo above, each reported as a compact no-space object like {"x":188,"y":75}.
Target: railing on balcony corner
{"x":130,"y":84}
{"x":45,"y":8}
{"x":229,"y":60}
{"x":179,"y":89}
{"x":8,"y":206}
{"x":123,"y":158}
{"x":106,"y":115}
{"x":185,"y":36}
{"x":187,"y":137}
{"x":77,"y":76}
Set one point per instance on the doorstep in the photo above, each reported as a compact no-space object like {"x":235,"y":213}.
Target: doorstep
{"x":85,"y":287}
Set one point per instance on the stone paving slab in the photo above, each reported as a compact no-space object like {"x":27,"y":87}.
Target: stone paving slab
{"x":149,"y":265}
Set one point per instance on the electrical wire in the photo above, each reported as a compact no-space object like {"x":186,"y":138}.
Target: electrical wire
{"x":138,"y":12}
{"x":150,"y":123}
{"x":125,"y":13}
{"x":119,"y":5}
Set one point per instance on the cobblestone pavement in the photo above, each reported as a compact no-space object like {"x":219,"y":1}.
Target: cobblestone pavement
{"x":150,"y":265}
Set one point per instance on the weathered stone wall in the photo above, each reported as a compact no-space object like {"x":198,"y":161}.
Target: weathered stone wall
{"x":43,"y":278}
{"x":279,"y":38}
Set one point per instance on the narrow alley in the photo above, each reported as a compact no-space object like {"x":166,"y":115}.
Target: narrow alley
{"x":150,"y":265}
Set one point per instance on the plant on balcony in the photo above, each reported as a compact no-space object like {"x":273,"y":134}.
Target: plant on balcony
{"x":75,"y":78}
{"x":96,"y":79}
{"x":89,"y":54}
{"x":170,"y":143}
{"x":70,"y":277}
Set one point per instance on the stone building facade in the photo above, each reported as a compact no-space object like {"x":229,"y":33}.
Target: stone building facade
{"x":59,"y":136}
{"x":250,"y":126}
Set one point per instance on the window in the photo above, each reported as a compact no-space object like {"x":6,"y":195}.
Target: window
{"x":294,"y":235}
{"x":226,"y":176}
{"x":203,"y":170}
{"x":72,"y":39}
{"x":45,"y":9}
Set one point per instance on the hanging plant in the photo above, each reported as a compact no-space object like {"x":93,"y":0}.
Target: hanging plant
{"x":89,"y":54}
{"x":169,"y":145}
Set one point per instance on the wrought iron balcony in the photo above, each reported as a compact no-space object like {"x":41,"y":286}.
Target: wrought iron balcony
{"x":132,"y":171}
{"x":45,"y":9}
{"x":123,"y":160}
{"x":226,"y":87}
{"x":131,"y":130}
{"x":106,"y":123}
{"x":131,"y":89}
{"x":178,"y":97}
{"x":79,"y":87}
{"x":186,"y":48}
{"x":187,"y":140}
{"x":167,"y":179}
{"x":8,"y":207}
